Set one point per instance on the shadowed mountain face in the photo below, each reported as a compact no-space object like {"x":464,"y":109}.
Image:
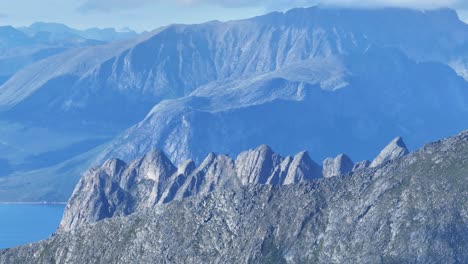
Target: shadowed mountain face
{"x":326,"y":80}
{"x":409,"y":210}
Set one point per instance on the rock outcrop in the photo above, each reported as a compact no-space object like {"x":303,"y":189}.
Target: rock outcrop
{"x":336,"y":166}
{"x":399,"y":212}
{"x":395,"y":149}
{"x":118,"y":189}
{"x":361,"y":165}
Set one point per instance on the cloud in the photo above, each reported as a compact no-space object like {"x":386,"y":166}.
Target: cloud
{"x":109,"y":5}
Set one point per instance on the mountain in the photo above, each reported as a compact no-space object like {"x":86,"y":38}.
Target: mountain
{"x":383,"y":93}
{"x":20,"y":47}
{"x":17,"y":49}
{"x":321,"y":62}
{"x":39,"y":163}
{"x":63,"y":31}
{"x":328,"y":80}
{"x":409,"y":210}
{"x":173,"y":61}
{"x":118,"y":189}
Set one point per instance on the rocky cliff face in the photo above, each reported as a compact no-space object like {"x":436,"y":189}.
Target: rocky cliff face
{"x":337,"y":166}
{"x":118,"y":189}
{"x":395,"y":149}
{"x":409,"y":210}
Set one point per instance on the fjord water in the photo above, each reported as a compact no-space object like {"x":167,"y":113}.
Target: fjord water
{"x":26,"y":223}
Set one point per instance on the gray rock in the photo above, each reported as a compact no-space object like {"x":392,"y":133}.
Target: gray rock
{"x":395,"y":149}
{"x":409,"y":210}
{"x":361,"y":165}
{"x":118,"y":189}
{"x":216,"y":171}
{"x":257,"y":165}
{"x":341,"y":164}
{"x":302,"y":168}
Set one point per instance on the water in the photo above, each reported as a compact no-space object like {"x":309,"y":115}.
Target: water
{"x":26,"y":223}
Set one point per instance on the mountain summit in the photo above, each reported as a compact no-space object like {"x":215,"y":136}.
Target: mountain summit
{"x":395,"y":149}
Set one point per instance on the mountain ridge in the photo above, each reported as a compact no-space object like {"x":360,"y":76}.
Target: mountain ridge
{"x":382,"y":214}
{"x":118,"y":188}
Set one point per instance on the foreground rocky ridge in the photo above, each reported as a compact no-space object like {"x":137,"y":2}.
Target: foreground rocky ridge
{"x":409,"y":210}
{"x":119,"y":189}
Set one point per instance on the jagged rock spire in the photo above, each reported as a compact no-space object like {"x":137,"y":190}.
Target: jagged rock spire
{"x":341,"y":164}
{"x":120,"y":189}
{"x":302,"y":168}
{"x":395,"y":149}
{"x":256,"y":166}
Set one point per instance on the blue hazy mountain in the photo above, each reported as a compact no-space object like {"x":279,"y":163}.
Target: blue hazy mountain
{"x":60,"y":30}
{"x":321,"y":79}
{"x":20,"y":47}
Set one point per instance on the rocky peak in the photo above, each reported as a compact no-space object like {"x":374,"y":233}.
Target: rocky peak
{"x":217,"y":171}
{"x":257,"y":165}
{"x":395,"y":149}
{"x":153,"y":179}
{"x":341,"y":164}
{"x":97,"y":196}
{"x":258,"y":224}
{"x":302,"y":168}
{"x":154,"y":165}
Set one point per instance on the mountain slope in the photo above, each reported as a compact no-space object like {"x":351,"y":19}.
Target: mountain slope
{"x":175,"y":60}
{"x":350,"y":105}
{"x":410,"y":210}
{"x":18,"y":49}
{"x":341,"y":79}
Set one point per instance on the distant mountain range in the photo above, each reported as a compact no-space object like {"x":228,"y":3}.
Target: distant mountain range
{"x":328,"y":80}
{"x":20,"y":47}
{"x":405,"y":208}
{"x":60,"y":31}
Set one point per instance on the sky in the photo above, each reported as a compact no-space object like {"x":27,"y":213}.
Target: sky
{"x":144,"y":15}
